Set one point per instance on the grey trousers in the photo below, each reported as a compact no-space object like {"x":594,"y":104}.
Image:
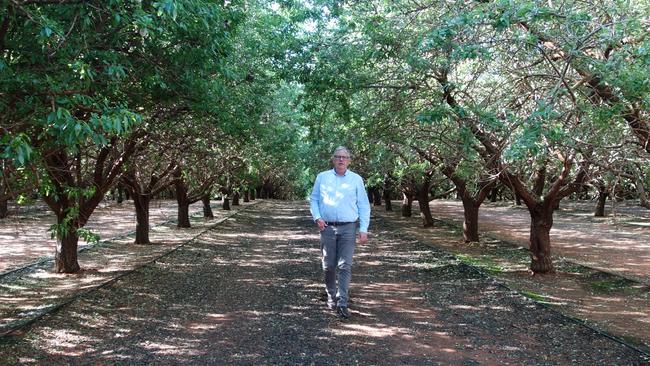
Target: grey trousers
{"x":337,"y":244}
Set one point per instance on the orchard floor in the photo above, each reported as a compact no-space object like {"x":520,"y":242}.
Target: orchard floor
{"x":603,"y":264}
{"x":246,"y":289}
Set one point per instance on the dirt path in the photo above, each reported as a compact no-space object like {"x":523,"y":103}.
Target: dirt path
{"x":249,"y":292}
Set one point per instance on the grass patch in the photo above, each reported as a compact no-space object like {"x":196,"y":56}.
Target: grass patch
{"x":534,"y":296}
{"x":614,"y":285}
{"x":607,"y":283}
{"x":481,"y":262}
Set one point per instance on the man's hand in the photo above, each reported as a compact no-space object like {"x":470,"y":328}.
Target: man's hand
{"x":363,"y":238}
{"x":321,"y":224}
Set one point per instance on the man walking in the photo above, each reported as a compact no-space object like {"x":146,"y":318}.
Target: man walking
{"x":337,"y":202}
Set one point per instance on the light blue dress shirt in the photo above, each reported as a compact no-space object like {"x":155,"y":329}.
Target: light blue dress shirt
{"x":340,"y":198}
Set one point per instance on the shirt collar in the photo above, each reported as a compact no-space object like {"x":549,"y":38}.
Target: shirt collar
{"x":344,"y":174}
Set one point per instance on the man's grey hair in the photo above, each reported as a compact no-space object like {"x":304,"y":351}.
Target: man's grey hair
{"x":341,"y":148}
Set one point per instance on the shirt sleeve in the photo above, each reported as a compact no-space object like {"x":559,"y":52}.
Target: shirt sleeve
{"x":314,"y":200}
{"x":363,"y":206}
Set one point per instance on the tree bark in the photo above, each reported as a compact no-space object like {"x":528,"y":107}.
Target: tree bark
{"x":253,"y":194}
{"x":183,"y":213}
{"x":423,"y":203}
{"x":643,"y":197}
{"x":4,"y":208}
{"x":470,"y":225}
{"x":600,"y":206}
{"x":183,"y":206}
{"x":235,"y":199}
{"x":207,"y":210}
{"x":65,"y":257}
{"x":226,"y":203}
{"x":247,"y":196}
{"x":141,"y":203}
{"x":377,"y":199}
{"x":120,"y":194}
{"x":407,"y":205}
{"x":541,"y":221}
{"x":389,"y":204}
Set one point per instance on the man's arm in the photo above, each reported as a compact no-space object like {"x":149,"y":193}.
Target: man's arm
{"x":363,"y":205}
{"x":314,"y":200}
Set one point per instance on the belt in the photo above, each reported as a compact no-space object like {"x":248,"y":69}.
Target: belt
{"x":337,"y":223}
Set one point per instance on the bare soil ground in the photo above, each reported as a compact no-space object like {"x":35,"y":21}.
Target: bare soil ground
{"x":248,"y":291}
{"x":603,"y":264}
{"x":24,"y":236}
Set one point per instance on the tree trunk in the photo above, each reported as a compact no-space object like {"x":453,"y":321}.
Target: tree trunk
{"x":470,"y":225}
{"x":253,"y":194}
{"x":389,"y":204}
{"x":377,"y":200}
{"x":371,"y":197}
{"x":643,"y":197}
{"x":494,"y":194}
{"x":4,"y":208}
{"x":120,"y":194}
{"x":226,"y":203}
{"x":141,"y":203}
{"x":65,"y":257}
{"x":541,"y":221}
{"x":600,"y":206}
{"x":407,"y":205}
{"x":183,"y":202}
{"x":247,"y":196}
{"x":235,"y":199}
{"x":183,"y":214}
{"x":423,"y":203}
{"x":207,"y":210}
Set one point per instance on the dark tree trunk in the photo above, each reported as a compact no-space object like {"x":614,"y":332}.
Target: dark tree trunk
{"x":371,"y":197}
{"x":387,"y":191}
{"x":183,"y":201}
{"x":183,"y":213}
{"x":377,"y":199}
{"x":541,"y":221}
{"x":423,"y":203}
{"x":517,"y":199}
{"x":120,"y":194}
{"x":407,"y":205}
{"x":253,"y":194}
{"x":470,"y":225}
{"x":494,"y":194}
{"x":141,"y":203}
{"x":4,"y":208}
{"x":226,"y":203}
{"x":389,"y":204}
{"x":65,"y":257}
{"x":235,"y":199}
{"x":247,"y":196}
{"x":602,"y":200}
{"x":207,"y":210}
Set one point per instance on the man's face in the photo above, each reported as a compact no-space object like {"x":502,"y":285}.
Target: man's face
{"x":341,"y":160}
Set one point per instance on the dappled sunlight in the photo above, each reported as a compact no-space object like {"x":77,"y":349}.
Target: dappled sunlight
{"x":631,"y":242}
{"x":252,"y":294}
{"x":381,"y":330}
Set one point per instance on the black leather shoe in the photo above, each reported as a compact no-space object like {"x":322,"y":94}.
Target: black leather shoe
{"x":343,"y":312}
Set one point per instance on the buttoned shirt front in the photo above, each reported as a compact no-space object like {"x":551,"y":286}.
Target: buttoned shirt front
{"x":340,"y":198}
